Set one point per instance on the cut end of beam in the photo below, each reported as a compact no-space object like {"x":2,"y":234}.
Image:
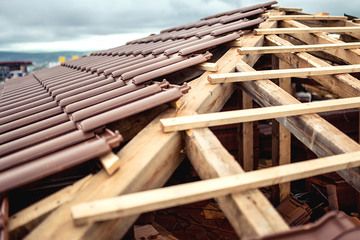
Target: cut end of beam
{"x":212,"y":67}
{"x":110,"y":162}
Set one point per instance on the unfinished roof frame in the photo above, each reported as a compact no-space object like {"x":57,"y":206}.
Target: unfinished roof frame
{"x":249,"y":219}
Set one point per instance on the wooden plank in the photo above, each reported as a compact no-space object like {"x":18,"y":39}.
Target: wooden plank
{"x":350,"y":56}
{"x":282,"y":73}
{"x":197,"y":191}
{"x":207,"y":66}
{"x":306,"y":17}
{"x":307,"y":30}
{"x":250,"y":213}
{"x":288,"y":9}
{"x":247,"y":115}
{"x":46,"y":205}
{"x":298,"y":48}
{"x":110,"y":162}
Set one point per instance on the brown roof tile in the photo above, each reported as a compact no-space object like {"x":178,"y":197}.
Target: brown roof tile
{"x":54,"y":116}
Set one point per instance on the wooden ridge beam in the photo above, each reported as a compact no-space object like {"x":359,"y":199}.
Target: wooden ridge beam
{"x":282,"y":73}
{"x":298,"y":48}
{"x":351,"y":56}
{"x":343,"y":85}
{"x":307,"y":30}
{"x":247,"y":115}
{"x":306,"y":17}
{"x":167,"y":197}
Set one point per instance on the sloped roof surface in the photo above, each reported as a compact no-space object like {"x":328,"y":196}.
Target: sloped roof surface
{"x":52,"y":118}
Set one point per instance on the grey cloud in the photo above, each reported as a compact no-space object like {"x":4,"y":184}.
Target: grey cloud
{"x":39,"y":20}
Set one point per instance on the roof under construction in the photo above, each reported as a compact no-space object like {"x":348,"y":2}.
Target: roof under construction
{"x":144,"y":107}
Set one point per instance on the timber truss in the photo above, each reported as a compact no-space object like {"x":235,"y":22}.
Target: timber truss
{"x":103,"y":206}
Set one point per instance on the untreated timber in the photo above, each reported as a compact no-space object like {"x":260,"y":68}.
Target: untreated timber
{"x":247,"y":115}
{"x":281,"y":141}
{"x":207,"y":66}
{"x":211,"y":160}
{"x":246,"y":132}
{"x":298,"y":48}
{"x":343,"y":85}
{"x":306,"y":17}
{"x":281,"y":73}
{"x":288,"y":9}
{"x":166,"y":197}
{"x":351,"y":56}
{"x":110,"y":162}
{"x":307,"y":30}
{"x":314,"y":132}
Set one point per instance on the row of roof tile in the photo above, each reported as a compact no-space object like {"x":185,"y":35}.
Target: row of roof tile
{"x":60,"y":113}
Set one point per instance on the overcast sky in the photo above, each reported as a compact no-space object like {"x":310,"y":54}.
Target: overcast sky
{"x":87,"y":25}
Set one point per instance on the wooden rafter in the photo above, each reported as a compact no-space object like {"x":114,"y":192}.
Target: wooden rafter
{"x":250,"y":213}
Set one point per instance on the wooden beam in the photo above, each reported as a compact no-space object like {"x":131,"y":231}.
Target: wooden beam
{"x":207,"y":66}
{"x":284,"y":138}
{"x":247,"y":115}
{"x":250,"y":213}
{"x":343,"y":85}
{"x":288,"y":9}
{"x":307,"y":30}
{"x":247,"y":136}
{"x":282,"y":73}
{"x":298,"y":48}
{"x":156,"y":199}
{"x":306,"y":17}
{"x":351,"y":56}
{"x":314,"y":132}
{"x":46,"y":205}
{"x":110,"y":162}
